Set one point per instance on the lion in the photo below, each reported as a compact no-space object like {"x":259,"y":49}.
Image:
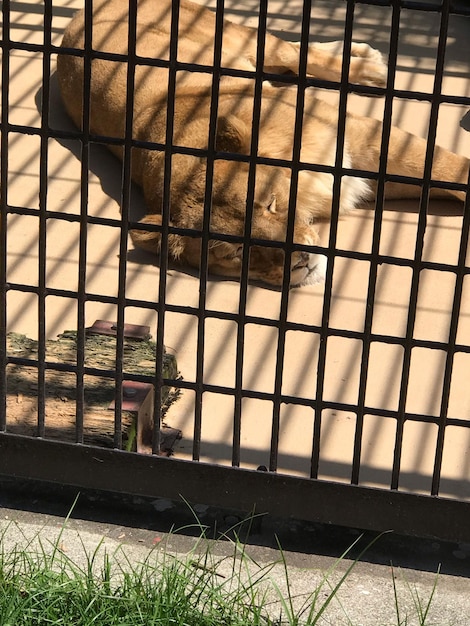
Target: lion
{"x":130,"y":91}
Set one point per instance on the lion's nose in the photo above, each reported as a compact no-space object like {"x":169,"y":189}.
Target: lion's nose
{"x":301,"y":261}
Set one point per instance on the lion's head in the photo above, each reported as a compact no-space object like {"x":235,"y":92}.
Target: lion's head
{"x":228,"y":210}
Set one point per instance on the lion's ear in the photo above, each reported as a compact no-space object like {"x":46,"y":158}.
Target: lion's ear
{"x":232,"y":135}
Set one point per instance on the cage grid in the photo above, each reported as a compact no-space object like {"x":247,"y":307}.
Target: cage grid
{"x":228,"y":478}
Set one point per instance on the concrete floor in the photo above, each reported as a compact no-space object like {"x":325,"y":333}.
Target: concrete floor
{"x":367,"y":598}
{"x":417,"y":51}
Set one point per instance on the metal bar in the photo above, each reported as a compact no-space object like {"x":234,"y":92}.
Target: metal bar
{"x":206,"y":226}
{"x":250,"y":194}
{"x":422,"y":220}
{"x":331,"y":251}
{"x":362,"y":256}
{"x":5,"y":45}
{"x":42,"y":239}
{"x":416,"y":5}
{"x":396,"y":178}
{"x":166,"y":207}
{"x":250,"y":319}
{"x":125,"y":472}
{"x":246,"y":393}
{"x":125,"y":207}
{"x":281,"y":341}
{"x":451,"y":350}
{"x":379,"y":208}
{"x":82,"y":260}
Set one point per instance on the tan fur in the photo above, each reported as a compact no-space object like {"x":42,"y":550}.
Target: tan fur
{"x":235,"y":112}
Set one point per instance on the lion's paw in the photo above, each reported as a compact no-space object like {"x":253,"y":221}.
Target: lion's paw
{"x":364,"y":51}
{"x":312,"y":273}
{"x":317,"y":270}
{"x":367,"y":66}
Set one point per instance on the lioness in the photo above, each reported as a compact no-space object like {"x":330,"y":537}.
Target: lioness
{"x":109,"y":87}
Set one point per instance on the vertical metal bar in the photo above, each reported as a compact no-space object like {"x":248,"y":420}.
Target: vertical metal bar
{"x":379,"y":207}
{"x":170,"y":118}
{"x":343,"y":96}
{"x":258,"y":88}
{"x":217,"y":58}
{"x":5,"y":44}
{"x":281,"y":344}
{"x":431,"y":142}
{"x":454,"y":322}
{"x":125,"y":204}
{"x":42,"y":256}
{"x":82,"y":259}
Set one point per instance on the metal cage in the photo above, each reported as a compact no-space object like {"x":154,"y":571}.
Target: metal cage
{"x":342,"y":361}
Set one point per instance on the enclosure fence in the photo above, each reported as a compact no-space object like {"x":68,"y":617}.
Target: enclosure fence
{"x":102,"y":406}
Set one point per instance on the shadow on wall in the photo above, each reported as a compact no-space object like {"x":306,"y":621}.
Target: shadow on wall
{"x":419,"y":30}
{"x":106,"y":167}
{"x":465,"y":121}
{"x":103,"y":164}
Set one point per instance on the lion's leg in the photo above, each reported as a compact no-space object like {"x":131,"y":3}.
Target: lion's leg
{"x":146,"y":239}
{"x":325,"y":61}
{"x":366,"y":65}
{"x":150,"y":240}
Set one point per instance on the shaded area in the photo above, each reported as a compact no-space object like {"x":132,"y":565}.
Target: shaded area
{"x":136,"y":520}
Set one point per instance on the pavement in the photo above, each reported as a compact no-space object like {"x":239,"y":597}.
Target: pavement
{"x":136,"y":530}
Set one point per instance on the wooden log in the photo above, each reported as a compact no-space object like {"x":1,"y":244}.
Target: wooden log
{"x":61,"y":388}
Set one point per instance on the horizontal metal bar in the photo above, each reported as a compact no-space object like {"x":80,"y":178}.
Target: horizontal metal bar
{"x":243,"y":158}
{"x":190,"y":232}
{"x":457,"y":8}
{"x":273,"y":323}
{"x":264,"y":492}
{"x":244,"y":393}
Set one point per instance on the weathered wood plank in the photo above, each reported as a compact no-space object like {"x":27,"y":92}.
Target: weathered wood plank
{"x":60,"y":387}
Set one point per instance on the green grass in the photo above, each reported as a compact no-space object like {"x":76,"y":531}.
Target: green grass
{"x":48,"y":588}
{"x":40,"y":586}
